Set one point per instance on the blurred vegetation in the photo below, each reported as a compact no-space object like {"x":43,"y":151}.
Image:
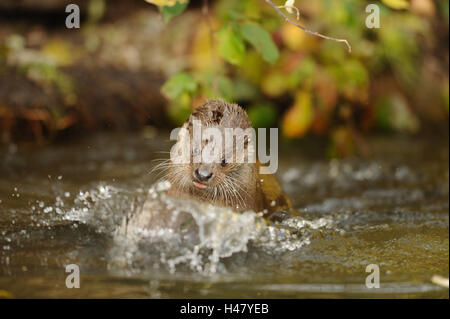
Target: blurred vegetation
{"x":394,"y":80}
{"x":59,"y":82}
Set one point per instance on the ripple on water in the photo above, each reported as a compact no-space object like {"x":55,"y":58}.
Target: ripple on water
{"x":390,"y":210}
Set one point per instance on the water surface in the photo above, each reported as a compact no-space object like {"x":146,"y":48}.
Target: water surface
{"x":66,"y":204}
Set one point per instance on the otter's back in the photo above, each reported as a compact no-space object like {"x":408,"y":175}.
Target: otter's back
{"x":273,"y":196}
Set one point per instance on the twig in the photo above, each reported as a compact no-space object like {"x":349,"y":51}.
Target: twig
{"x":317,"y":34}
{"x":205,"y":12}
{"x":295,"y":8}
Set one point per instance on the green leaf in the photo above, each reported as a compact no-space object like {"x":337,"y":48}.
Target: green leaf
{"x":170,"y":12}
{"x":274,"y":84}
{"x":231,"y":46}
{"x":226,"y":88}
{"x":303,"y":75}
{"x":178,"y":84}
{"x":180,"y":108}
{"x":244,"y":90}
{"x":262,"y":114}
{"x":261,"y":41}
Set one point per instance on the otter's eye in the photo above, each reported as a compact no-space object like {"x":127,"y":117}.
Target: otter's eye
{"x":224,"y":162}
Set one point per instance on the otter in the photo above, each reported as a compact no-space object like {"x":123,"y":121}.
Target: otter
{"x":224,"y":181}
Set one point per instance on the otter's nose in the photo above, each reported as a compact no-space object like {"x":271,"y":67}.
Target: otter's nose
{"x":202,"y":174}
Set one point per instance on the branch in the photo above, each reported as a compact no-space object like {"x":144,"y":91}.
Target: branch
{"x":288,"y":7}
{"x":317,"y":34}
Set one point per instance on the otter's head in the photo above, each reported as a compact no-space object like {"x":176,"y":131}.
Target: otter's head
{"x":218,"y":147}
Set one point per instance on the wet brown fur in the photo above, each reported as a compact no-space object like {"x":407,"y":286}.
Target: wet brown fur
{"x":235,"y":185}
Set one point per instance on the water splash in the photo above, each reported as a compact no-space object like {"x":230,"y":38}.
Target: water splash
{"x":185,"y":232}
{"x":153,"y":231}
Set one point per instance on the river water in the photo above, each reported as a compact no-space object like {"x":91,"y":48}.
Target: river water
{"x":72,"y":203}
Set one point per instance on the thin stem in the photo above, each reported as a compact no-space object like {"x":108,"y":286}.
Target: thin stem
{"x":317,"y":34}
{"x":295,"y":8}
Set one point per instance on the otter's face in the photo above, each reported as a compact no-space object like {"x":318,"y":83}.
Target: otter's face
{"x":214,"y":172}
{"x":215,"y":165}
{"x":213,"y":162}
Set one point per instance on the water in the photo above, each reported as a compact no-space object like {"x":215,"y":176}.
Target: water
{"x":77,"y":204}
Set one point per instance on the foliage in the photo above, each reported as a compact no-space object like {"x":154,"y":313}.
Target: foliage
{"x":261,"y":41}
{"x":315,"y":84}
{"x":43,"y":66}
{"x":394,"y":80}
